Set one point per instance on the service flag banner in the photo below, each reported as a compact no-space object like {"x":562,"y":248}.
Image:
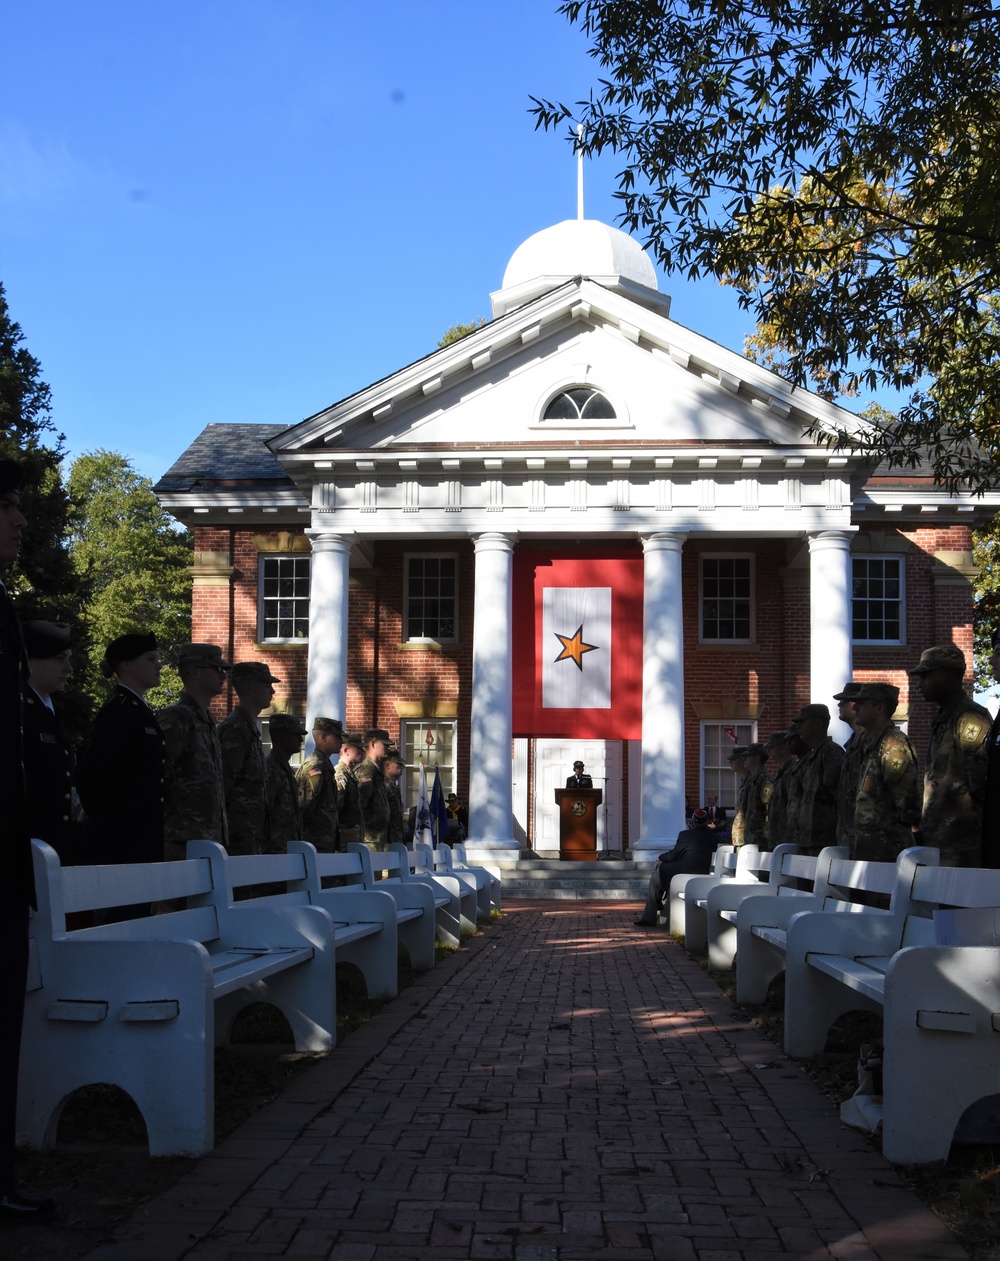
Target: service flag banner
{"x":422,"y":826}
{"x":578,"y":643}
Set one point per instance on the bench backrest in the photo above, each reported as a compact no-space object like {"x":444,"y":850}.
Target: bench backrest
{"x":385,"y":863}
{"x":811,"y":868}
{"x":955,"y":886}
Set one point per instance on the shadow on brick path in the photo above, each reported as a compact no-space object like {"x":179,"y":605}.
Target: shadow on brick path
{"x":566,"y":1086}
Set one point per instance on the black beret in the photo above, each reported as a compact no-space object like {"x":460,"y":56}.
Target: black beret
{"x":128,"y":647}
{"x":45,"y":639}
{"x":11,"y":476}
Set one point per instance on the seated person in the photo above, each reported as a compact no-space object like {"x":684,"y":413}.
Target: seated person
{"x":692,"y":854}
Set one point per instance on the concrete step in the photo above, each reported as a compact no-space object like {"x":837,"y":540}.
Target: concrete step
{"x":611,"y":880}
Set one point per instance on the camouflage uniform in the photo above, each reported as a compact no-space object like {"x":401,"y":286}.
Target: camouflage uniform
{"x":955,"y":782}
{"x":374,"y":799}
{"x":194,"y":796}
{"x":751,"y":807}
{"x":282,"y":802}
{"x":778,"y":806}
{"x":394,"y":833}
{"x":318,"y":801}
{"x":246,"y":791}
{"x":888,"y":800}
{"x":349,"y":817}
{"x":819,"y":775}
{"x":847,"y":801}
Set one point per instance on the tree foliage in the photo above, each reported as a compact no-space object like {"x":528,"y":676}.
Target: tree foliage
{"x":458,"y":331}
{"x":42,"y":583}
{"x":839,"y":164}
{"x":133,"y":562}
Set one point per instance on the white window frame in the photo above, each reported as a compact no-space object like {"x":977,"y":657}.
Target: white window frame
{"x":748,"y":556}
{"x":746,"y":733}
{"x":900,"y":561}
{"x":426,"y":639}
{"x":261,"y":562}
{"x":411,"y":770}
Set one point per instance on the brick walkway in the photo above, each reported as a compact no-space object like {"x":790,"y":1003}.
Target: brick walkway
{"x":567,"y":1087}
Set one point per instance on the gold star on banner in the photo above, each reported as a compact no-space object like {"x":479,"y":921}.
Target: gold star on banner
{"x":573,"y":647}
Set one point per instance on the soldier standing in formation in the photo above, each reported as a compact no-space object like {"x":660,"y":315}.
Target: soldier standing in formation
{"x":121,"y":775}
{"x":372,"y":788}
{"x":392,"y":768}
{"x":955,"y":778}
{"x":737,"y":760}
{"x":817,"y":780}
{"x":755,"y":794}
{"x":49,"y":760}
{"x":350,"y":821}
{"x":287,"y":734}
{"x":777,"y":811}
{"x":888,"y":800}
{"x":318,"y":787}
{"x":853,"y":750}
{"x":195,"y":806}
{"x":243,"y":759}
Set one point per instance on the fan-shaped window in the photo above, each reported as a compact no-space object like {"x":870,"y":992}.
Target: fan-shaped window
{"x":580,"y":403}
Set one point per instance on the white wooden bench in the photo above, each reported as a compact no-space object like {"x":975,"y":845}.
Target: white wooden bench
{"x":414,"y":903}
{"x":762,"y":925}
{"x":724,"y":862}
{"x":141,"y":1004}
{"x":390,"y":870}
{"x":440,"y":860}
{"x":932,"y":968}
{"x":460,"y":859}
{"x":752,"y":870}
{"x":774,"y":872}
{"x":412,"y":862}
{"x":364,"y":924}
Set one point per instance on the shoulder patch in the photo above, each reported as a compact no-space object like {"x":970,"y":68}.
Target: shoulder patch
{"x":972,"y":731}
{"x":766,"y":792}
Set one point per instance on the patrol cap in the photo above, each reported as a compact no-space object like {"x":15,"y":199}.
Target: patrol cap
{"x":377,"y":733}
{"x":393,"y":755}
{"x":128,"y":648}
{"x":756,"y":750}
{"x":332,"y":726}
{"x":352,"y":740}
{"x":776,"y":740}
{"x":739,"y":751}
{"x":286,"y":723}
{"x":45,"y":639}
{"x":812,"y":711}
{"x":11,"y":476}
{"x":257,"y":671}
{"x":886,"y":694}
{"x":202,"y":655}
{"x":940,"y":657}
{"x":848,"y":694}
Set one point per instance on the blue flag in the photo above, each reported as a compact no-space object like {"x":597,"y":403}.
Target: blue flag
{"x":439,"y":811}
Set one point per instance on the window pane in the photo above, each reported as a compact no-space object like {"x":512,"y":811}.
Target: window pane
{"x":726,"y":593}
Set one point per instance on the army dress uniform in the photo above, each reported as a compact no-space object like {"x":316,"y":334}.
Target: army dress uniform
{"x":49,"y":764}
{"x":317,"y":790}
{"x":121,"y":782}
{"x":394,"y":830}
{"x":374,"y":798}
{"x":887,"y":807}
{"x":819,"y":777}
{"x":350,"y":821}
{"x":195,"y":804}
{"x":955,"y":782}
{"x":243,"y":774}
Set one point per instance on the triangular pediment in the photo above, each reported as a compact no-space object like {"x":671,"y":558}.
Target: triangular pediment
{"x":667,"y":385}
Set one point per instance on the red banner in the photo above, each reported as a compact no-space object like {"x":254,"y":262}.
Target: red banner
{"x":578,"y":644}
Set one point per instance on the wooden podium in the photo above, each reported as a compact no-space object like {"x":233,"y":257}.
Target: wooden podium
{"x":578,"y":823}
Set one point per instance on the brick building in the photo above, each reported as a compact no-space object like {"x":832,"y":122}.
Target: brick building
{"x":370,"y":554}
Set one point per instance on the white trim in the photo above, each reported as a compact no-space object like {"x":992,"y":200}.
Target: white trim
{"x":720,"y":723}
{"x":616,"y":398}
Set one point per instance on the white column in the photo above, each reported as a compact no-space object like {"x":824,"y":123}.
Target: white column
{"x":662,"y":814}
{"x":491,"y":806}
{"x":326,"y":685}
{"x":830,"y":659}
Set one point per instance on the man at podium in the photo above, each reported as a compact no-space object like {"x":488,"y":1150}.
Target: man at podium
{"x":578,"y":779}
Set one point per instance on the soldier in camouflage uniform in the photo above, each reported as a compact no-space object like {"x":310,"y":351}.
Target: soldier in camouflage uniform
{"x":318,"y":787}
{"x":392,"y":768}
{"x":756,"y":796}
{"x":737,"y":760}
{"x":853,"y":750}
{"x":818,"y":780}
{"x":243,"y":760}
{"x":372,"y":789}
{"x":287,"y":734}
{"x":778,"y":748}
{"x":194,"y":802}
{"x":955,"y":779}
{"x":349,"y":818}
{"x":888,"y":801}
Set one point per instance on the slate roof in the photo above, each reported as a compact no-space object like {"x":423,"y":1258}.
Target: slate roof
{"x":226,"y":452}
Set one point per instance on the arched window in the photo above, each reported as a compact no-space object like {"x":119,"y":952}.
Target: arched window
{"x":580,"y":403}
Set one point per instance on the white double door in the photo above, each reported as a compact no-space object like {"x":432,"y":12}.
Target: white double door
{"x":602,"y":760}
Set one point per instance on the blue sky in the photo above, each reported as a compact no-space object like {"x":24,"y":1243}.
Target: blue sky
{"x":244,"y":211}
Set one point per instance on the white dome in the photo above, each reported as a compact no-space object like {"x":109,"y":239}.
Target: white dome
{"x":580,"y":247}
